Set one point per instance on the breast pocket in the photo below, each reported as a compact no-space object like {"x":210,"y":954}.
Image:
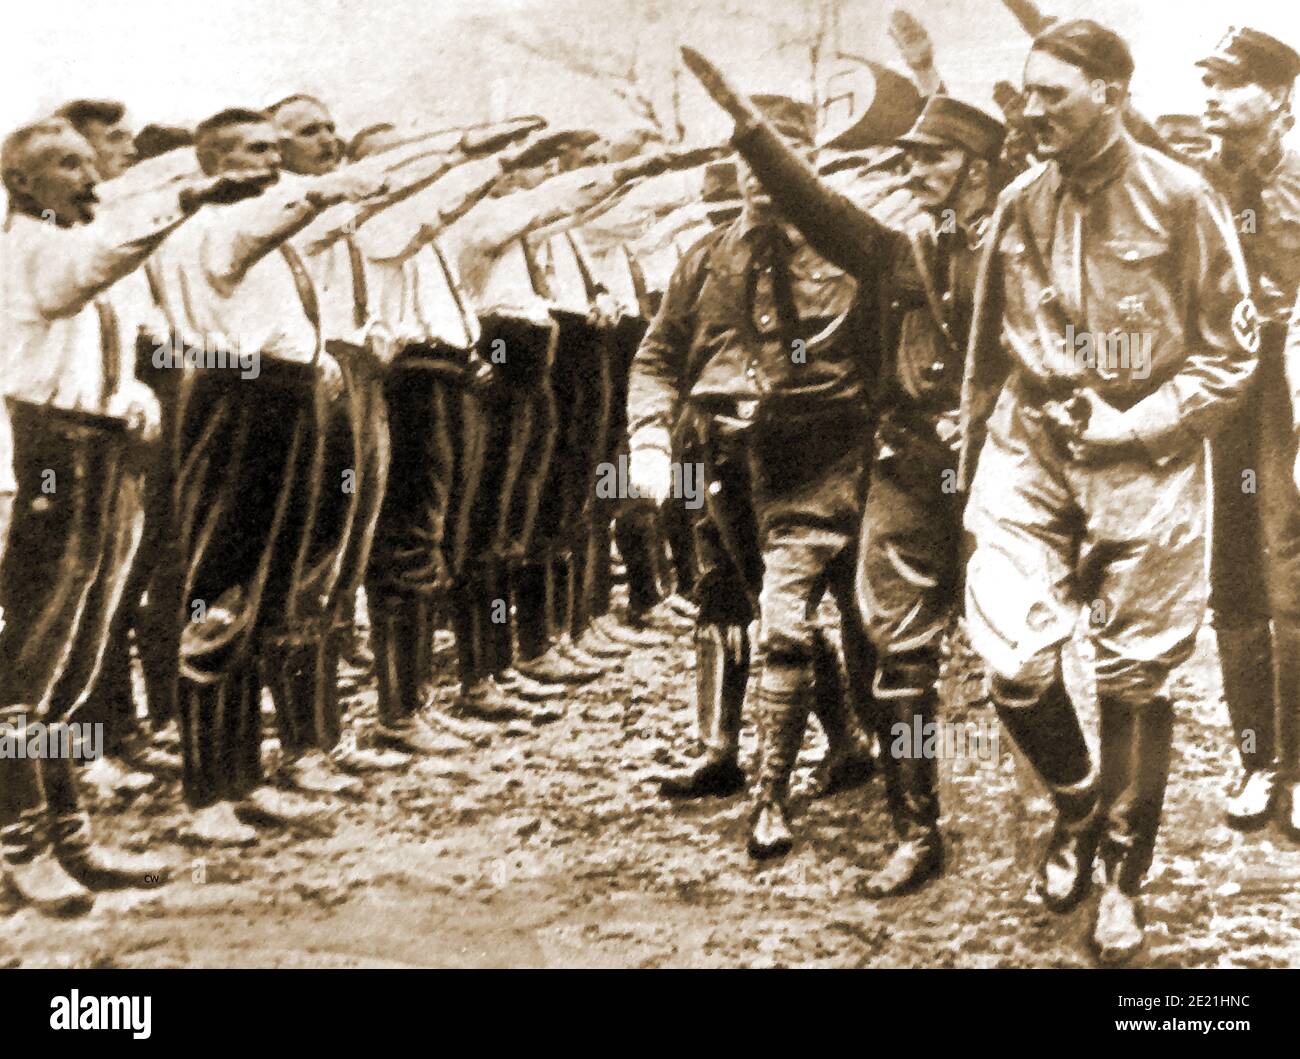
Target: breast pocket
{"x":1132,"y":284}
{"x":822,"y":291}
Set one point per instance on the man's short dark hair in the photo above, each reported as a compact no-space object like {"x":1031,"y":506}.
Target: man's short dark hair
{"x":297,"y":97}
{"x":358,"y":142}
{"x":81,"y":113}
{"x":1096,"y":50}
{"x":227,"y":119}
{"x":153,"y":140}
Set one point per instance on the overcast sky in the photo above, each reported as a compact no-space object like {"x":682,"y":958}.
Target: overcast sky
{"x":437,"y":60}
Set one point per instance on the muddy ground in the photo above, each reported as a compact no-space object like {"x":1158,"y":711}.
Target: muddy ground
{"x":552,"y":848}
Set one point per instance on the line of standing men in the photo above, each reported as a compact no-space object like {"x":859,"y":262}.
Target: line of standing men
{"x":1078,"y":480}
{"x":261,"y":492}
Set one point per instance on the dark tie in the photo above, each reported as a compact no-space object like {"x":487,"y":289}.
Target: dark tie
{"x":772,"y":249}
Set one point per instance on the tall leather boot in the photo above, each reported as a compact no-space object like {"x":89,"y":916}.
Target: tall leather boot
{"x":721,"y":673}
{"x":905,"y":690}
{"x":1045,"y":726}
{"x":1287,"y":693}
{"x":602,"y":576}
{"x":848,"y":762}
{"x":1250,"y":667}
{"x":579,"y":586}
{"x":529,"y":589}
{"x":494,"y":621}
{"x":480,"y":698}
{"x":421,"y":610}
{"x":70,"y":835}
{"x":557,"y":594}
{"x":1136,"y":745}
{"x":396,"y":634}
{"x":784,"y":691}
{"x":28,"y":868}
{"x":288,"y":670}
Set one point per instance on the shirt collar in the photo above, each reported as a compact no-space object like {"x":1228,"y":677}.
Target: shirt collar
{"x":747,"y":227}
{"x":1265,"y":159}
{"x":1099,"y":170}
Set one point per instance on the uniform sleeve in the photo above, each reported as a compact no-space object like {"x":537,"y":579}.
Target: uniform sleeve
{"x":987,"y":364}
{"x":1291,"y":364}
{"x":236,"y":237}
{"x":68,"y":268}
{"x":501,"y":220}
{"x":659,"y":367}
{"x":1222,"y":333}
{"x":837,"y":228}
{"x":412,"y":211}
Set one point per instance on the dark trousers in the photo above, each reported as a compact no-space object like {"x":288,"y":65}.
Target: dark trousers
{"x":908,"y":587}
{"x":252,"y":453}
{"x":76,"y":525}
{"x":302,"y":668}
{"x":1255,"y":568}
{"x":150,"y":601}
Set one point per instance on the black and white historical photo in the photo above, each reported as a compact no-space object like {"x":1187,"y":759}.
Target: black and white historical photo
{"x":649,"y":484}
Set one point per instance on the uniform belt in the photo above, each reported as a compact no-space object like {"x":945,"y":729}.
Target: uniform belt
{"x":434,"y":358}
{"x":743,"y":412}
{"x":1036,"y":391}
{"x":69,"y":422}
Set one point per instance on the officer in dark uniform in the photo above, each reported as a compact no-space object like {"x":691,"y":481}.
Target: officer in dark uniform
{"x":772,"y":351}
{"x":1255,"y":558}
{"x":908,"y":575}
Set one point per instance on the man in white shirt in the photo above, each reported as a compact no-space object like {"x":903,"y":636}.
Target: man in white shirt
{"x":252,"y":447}
{"x":75,"y":423}
{"x":125,"y":764}
{"x":417,"y":292}
{"x":358,"y":331}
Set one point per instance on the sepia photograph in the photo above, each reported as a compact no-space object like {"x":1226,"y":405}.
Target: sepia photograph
{"x":651,"y":485}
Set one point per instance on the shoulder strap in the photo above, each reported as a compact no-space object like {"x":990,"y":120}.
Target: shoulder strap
{"x":110,"y":347}
{"x":306,"y":292}
{"x":932,"y":297}
{"x":588,"y":280}
{"x":456,"y":294}
{"x":360,"y":291}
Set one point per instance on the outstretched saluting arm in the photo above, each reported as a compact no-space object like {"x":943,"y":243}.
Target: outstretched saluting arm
{"x":835,"y":226}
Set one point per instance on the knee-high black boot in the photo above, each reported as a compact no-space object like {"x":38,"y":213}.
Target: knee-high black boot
{"x":848,"y":762}
{"x":906,"y":698}
{"x":1045,"y":726}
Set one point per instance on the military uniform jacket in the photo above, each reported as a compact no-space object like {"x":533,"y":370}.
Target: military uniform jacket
{"x":1132,"y":244}
{"x":924,"y":276}
{"x":1264,"y":195}
{"x":732,"y":338}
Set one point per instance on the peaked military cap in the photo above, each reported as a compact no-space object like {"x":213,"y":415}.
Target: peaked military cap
{"x":948,"y":122}
{"x":1254,"y":56}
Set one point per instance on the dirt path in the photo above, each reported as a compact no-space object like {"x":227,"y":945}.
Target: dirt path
{"x":552,"y":848}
